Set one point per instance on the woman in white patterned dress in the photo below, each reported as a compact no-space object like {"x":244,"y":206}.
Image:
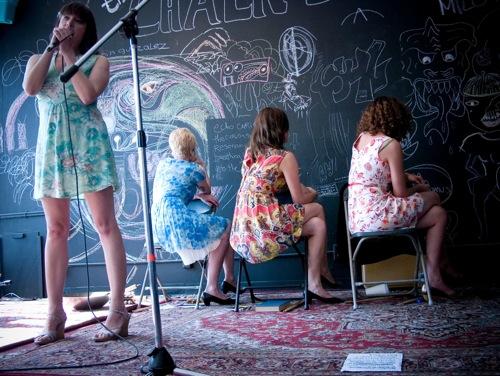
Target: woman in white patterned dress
{"x":379,"y":198}
{"x":74,"y":156}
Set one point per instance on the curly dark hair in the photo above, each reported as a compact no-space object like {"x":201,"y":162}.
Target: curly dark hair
{"x":388,"y":116}
{"x":82,"y":11}
{"x":269,"y":130}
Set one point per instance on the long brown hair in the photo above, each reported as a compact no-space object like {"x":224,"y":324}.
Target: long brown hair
{"x":85,"y":14}
{"x":269,"y":130}
{"x":387,"y":115}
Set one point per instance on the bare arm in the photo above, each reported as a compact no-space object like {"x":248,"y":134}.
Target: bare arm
{"x":89,"y":88}
{"x":36,"y":72}
{"x":290,"y":168}
{"x":393,"y":155}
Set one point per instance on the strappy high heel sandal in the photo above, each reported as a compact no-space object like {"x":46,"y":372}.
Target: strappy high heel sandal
{"x":49,"y":336}
{"x":114,"y":333}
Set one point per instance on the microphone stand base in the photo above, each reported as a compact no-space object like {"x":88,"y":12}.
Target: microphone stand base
{"x":160,"y":363}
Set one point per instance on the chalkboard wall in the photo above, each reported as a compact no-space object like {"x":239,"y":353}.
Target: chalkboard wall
{"x":211,"y":65}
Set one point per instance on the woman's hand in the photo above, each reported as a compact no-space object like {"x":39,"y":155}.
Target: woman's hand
{"x":415,"y":179}
{"x":421,"y":187}
{"x":310,"y":191}
{"x":208,"y":199}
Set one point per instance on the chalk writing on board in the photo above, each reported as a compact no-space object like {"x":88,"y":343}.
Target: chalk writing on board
{"x":361,"y":76}
{"x":227,"y":139}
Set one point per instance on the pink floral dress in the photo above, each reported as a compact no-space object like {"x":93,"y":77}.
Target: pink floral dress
{"x":372,"y":207}
{"x":262,"y":227}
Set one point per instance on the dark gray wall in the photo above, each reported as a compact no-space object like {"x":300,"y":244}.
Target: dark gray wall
{"x":211,"y":67}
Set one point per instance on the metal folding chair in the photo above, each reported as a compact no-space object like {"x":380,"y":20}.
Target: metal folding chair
{"x":243,"y":267}
{"x":361,"y":238}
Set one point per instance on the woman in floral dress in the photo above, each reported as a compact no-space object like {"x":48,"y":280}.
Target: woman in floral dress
{"x":184,"y":231}
{"x":74,"y":156}
{"x":262,"y":226}
{"x":379,"y":198}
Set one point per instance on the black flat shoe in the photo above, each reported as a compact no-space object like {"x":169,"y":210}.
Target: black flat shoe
{"x":327,"y":284}
{"x":333,"y":300}
{"x":227,"y":287}
{"x":208,"y":298}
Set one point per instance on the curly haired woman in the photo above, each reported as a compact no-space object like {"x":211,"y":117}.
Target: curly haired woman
{"x":379,"y":197}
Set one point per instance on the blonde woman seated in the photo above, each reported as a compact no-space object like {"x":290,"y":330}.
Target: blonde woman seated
{"x":184,"y":231}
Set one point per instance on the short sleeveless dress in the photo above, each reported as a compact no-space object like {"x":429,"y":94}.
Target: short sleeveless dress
{"x":176,"y":227}
{"x":263,"y":228}
{"x":54,"y":167}
{"x":372,"y":207}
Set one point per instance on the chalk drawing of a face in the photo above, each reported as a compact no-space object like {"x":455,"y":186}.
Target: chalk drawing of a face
{"x":435,"y":62}
{"x":482,"y":148}
{"x":482,"y":101}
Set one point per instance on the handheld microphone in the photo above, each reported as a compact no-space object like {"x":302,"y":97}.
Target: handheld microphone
{"x":56,"y":42}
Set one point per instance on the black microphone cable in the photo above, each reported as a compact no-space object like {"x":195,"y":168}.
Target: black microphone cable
{"x":136,"y":355}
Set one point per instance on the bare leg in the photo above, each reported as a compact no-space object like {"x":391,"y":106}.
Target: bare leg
{"x":315,"y":229}
{"x":228,"y":266}
{"x":215,"y":260}
{"x":434,"y":220}
{"x":56,"y":253}
{"x":101,"y":205}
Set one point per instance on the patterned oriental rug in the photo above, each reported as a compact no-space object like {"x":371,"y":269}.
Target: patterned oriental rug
{"x":453,"y":337}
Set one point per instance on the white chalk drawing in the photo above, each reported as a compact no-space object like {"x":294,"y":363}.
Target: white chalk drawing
{"x":437,"y":177}
{"x":435,"y":62}
{"x":297,"y":50}
{"x":252,"y":71}
{"x":360,"y":13}
{"x":19,"y":170}
{"x":332,"y":149}
{"x":290,"y":98}
{"x":482,"y":148}
{"x":409,"y":144}
{"x":237,"y":72}
{"x":172,"y":16}
{"x":112,"y":6}
{"x":362,"y":76}
{"x":459,"y":6}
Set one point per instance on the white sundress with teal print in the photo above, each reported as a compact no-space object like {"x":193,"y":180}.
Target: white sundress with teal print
{"x":54,"y":170}
{"x":176,"y":227}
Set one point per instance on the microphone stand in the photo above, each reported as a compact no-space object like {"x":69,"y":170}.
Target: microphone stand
{"x":160,"y":362}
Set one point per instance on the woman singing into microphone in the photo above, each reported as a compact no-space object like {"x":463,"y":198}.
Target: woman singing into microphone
{"x":74,"y":157}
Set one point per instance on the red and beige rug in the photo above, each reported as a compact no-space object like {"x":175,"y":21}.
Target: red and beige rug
{"x":453,"y":337}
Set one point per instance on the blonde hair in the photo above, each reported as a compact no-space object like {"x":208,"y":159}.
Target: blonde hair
{"x":182,"y":144}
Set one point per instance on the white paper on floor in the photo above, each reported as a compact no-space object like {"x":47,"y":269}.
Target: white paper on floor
{"x":363,"y":362}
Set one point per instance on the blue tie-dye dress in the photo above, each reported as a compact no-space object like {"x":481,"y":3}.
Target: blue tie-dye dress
{"x":85,"y":138}
{"x":176,"y":227}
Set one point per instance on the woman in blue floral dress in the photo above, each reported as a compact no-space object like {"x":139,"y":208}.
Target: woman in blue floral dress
{"x":74,"y":156}
{"x":183,"y":230}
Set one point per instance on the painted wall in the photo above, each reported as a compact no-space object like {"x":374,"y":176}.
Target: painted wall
{"x":212,"y":65}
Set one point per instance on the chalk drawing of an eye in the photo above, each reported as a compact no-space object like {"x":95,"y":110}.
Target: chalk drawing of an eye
{"x":238,"y":67}
{"x":228,"y":69}
{"x":426,"y":60}
{"x":449,"y":57}
{"x":471,"y":103}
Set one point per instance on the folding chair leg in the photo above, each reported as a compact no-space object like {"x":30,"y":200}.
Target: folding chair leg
{"x":249,"y":284}
{"x":238,"y":285}
{"x":353,"y":278}
{"x":200,"y":285}
{"x":143,"y":287}
{"x":416,"y":243}
{"x":306,"y":275}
